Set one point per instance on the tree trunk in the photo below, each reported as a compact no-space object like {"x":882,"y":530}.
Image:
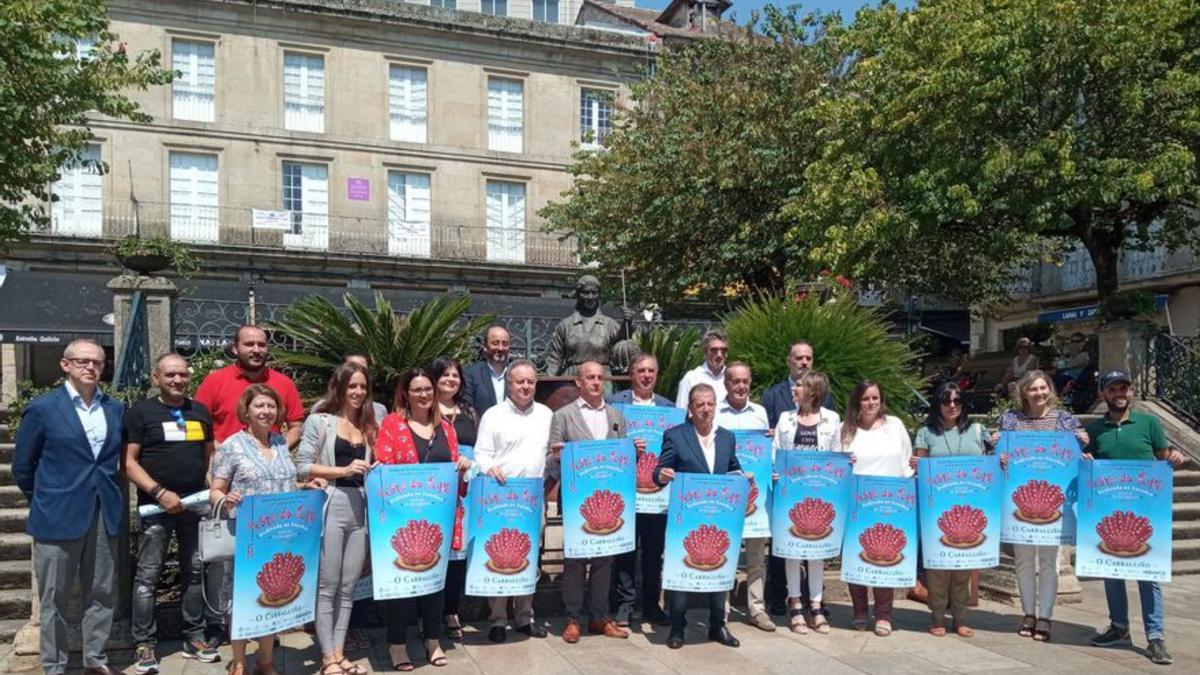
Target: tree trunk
{"x":1104,"y":248}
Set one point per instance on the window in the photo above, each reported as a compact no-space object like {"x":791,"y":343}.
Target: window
{"x":444,"y":4}
{"x":194,"y":197}
{"x":408,"y":214}
{"x":496,"y":7}
{"x":306,"y":195}
{"x":406,"y":103}
{"x":595,"y":117}
{"x":505,"y":114}
{"x":76,"y":209}
{"x":545,"y":10}
{"x":192,"y":92}
{"x":304,"y":92}
{"x":505,"y":221}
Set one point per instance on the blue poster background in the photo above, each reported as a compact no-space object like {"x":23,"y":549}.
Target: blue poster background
{"x":649,"y":422}
{"x":598,"y":492}
{"x":880,"y":547}
{"x":410,"y":514}
{"x":275,"y":562}
{"x":1040,"y":486}
{"x":754,"y":454}
{"x":960,"y":512}
{"x":1125,"y":520}
{"x":704,"y":531}
{"x":467,"y":451}
{"x":809,"y":504}
{"x":506,"y":532}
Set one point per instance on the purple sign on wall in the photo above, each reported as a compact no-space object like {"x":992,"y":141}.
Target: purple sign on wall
{"x":358,"y":189}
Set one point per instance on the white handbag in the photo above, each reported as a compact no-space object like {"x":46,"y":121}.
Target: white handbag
{"x":216,"y":541}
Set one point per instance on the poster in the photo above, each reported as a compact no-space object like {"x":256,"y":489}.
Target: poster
{"x":649,"y":422}
{"x":598,"y":493}
{"x":960,"y":506}
{"x":704,"y":531}
{"x":1040,"y":486}
{"x":467,"y":451}
{"x":275,"y":562}
{"x":753,"y":451}
{"x":1125,"y":520}
{"x":809,"y":504}
{"x":880,"y":546}
{"x":410,"y":520}
{"x":506,"y":533}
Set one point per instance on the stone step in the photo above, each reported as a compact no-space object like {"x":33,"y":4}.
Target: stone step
{"x":1185,"y":511}
{"x":1187,"y":477}
{"x":16,"y":574}
{"x":15,"y":604}
{"x":16,"y":546}
{"x":12,"y":498}
{"x":1182,"y":494}
{"x":6,"y":474}
{"x":1185,"y":529}
{"x":9,"y":628}
{"x":6,"y":452}
{"x":13,"y":520}
{"x":1185,"y":549}
{"x":1185,"y":567}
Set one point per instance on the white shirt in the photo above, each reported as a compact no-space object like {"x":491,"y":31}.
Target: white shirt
{"x":95,"y":424}
{"x":498,"y":381}
{"x":596,"y":419}
{"x":708,"y":445}
{"x":829,"y":426}
{"x":883,"y":451}
{"x":513,"y":440}
{"x":642,"y":401}
{"x":700,"y":375}
{"x":753,"y":416}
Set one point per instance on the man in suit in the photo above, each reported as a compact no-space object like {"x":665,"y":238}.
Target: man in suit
{"x":643,"y":376}
{"x":698,"y":446}
{"x":66,"y":464}
{"x":585,"y":419}
{"x":484,"y":381}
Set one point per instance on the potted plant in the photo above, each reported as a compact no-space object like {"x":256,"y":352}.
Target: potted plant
{"x":147,"y":255}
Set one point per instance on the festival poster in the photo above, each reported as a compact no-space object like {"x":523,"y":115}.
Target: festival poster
{"x":704,"y":531}
{"x":506,"y":533}
{"x":649,"y":422}
{"x":1040,"y":486}
{"x":467,"y":451}
{"x":410,"y":513}
{"x":598,"y":488}
{"x":1125,"y":520}
{"x":753,"y":451}
{"x":275,"y":562}
{"x":961,"y":500}
{"x":880,"y":546}
{"x":809,"y":504}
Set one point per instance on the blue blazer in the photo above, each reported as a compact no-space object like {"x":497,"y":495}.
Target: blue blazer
{"x":625,"y":397}
{"x":54,"y":466}
{"x":477,"y":387}
{"x":778,"y":400}
{"x":681,"y":451}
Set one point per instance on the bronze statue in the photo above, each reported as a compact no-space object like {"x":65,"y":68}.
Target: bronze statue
{"x":588,"y":335}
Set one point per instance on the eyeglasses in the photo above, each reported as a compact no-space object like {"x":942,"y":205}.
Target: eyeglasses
{"x":83,"y":363}
{"x":177,"y":415}
{"x":952,"y":401}
{"x":718,"y":350}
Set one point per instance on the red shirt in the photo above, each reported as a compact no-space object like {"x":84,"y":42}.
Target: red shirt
{"x":222,"y":389}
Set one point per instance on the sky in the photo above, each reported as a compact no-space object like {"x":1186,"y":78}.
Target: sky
{"x":743,"y":7}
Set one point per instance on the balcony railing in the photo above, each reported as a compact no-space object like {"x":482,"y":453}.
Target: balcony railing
{"x":1077,"y":272}
{"x":228,"y":226}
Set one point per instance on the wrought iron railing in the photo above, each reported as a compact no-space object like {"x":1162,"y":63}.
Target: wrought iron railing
{"x":1175,"y":376}
{"x":132,"y":369}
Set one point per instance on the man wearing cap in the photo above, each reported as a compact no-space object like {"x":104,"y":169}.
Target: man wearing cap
{"x":1126,"y":434}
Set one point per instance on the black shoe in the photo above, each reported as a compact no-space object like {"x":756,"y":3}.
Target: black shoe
{"x":723,"y":636}
{"x":1113,"y":637}
{"x":532,"y":630}
{"x":497,"y":634}
{"x":1158,"y":653}
{"x":675,"y":641}
{"x":656,"y":616}
{"x":779,"y":609}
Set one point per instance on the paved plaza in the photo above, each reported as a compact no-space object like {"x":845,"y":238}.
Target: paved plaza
{"x":994,"y":649}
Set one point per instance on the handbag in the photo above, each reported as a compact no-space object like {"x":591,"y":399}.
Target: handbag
{"x":216,"y":541}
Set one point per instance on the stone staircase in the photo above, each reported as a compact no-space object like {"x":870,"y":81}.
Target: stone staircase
{"x":16,"y":569}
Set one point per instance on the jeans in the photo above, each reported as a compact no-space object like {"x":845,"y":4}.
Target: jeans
{"x":677,"y":603}
{"x":1152,"y":606}
{"x":152,"y":553}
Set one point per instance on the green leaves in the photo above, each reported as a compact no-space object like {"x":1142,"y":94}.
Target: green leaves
{"x":677,"y":351}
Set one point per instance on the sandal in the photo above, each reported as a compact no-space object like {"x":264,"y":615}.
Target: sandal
{"x":332,"y":668}
{"x":350,"y":668}
{"x":963,"y":631}
{"x":454,"y":629}
{"x":1027,"y":626}
{"x":819,"y":622}
{"x":436,"y":657}
{"x":1041,"y":634}
{"x":883,"y":628}
{"x":399,"y":657}
{"x":937,"y":630}
{"x":797,"y":622}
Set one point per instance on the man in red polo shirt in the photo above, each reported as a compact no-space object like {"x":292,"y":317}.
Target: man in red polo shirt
{"x":222,"y":388}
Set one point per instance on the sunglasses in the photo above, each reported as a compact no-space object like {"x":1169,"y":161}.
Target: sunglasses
{"x":952,"y":401}
{"x":177,"y":415}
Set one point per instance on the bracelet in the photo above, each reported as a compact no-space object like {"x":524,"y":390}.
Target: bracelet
{"x":159,"y":492}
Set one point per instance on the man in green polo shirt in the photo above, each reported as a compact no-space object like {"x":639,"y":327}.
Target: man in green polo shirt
{"x":1126,"y":434}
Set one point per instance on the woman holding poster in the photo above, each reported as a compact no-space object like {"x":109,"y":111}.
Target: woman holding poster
{"x":809,"y":427}
{"x":453,"y":406}
{"x":878,"y":445}
{"x":417,"y":433}
{"x":1037,"y":566}
{"x":948,"y":432}
{"x":254,"y":461}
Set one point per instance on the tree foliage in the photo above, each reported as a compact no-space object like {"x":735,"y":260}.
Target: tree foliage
{"x":48,"y":87}
{"x":677,"y":350}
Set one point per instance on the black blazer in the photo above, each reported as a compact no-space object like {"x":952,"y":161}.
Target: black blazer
{"x":477,"y":387}
{"x":681,"y":451}
{"x":778,"y":400}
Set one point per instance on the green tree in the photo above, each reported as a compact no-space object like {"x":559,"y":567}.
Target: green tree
{"x":967,"y":134}
{"x":686,"y":195}
{"x":59,"y":62}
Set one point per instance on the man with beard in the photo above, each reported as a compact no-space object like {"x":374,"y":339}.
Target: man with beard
{"x":484,"y":381}
{"x":1126,"y":434}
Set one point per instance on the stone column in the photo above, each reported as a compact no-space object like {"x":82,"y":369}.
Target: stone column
{"x":159,"y":294}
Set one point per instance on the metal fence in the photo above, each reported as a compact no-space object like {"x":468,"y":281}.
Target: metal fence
{"x":1175,"y":374}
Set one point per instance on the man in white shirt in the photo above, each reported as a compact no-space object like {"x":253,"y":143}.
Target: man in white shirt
{"x":738,"y":412}
{"x":711,"y":372}
{"x":511,"y":442}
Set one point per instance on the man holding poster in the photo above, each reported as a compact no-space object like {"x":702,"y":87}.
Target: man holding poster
{"x":698,"y":446}
{"x":1123,"y":434}
{"x":587,"y":419}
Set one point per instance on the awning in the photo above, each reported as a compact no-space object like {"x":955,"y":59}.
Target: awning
{"x":38,"y":307}
{"x":1085,"y":313}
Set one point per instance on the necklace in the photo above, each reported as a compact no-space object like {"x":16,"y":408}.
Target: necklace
{"x":958,"y":449}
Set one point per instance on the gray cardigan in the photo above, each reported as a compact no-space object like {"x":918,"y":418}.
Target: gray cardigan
{"x":316,"y":444}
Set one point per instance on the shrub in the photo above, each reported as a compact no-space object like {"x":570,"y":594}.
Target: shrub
{"x":677,"y":350}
